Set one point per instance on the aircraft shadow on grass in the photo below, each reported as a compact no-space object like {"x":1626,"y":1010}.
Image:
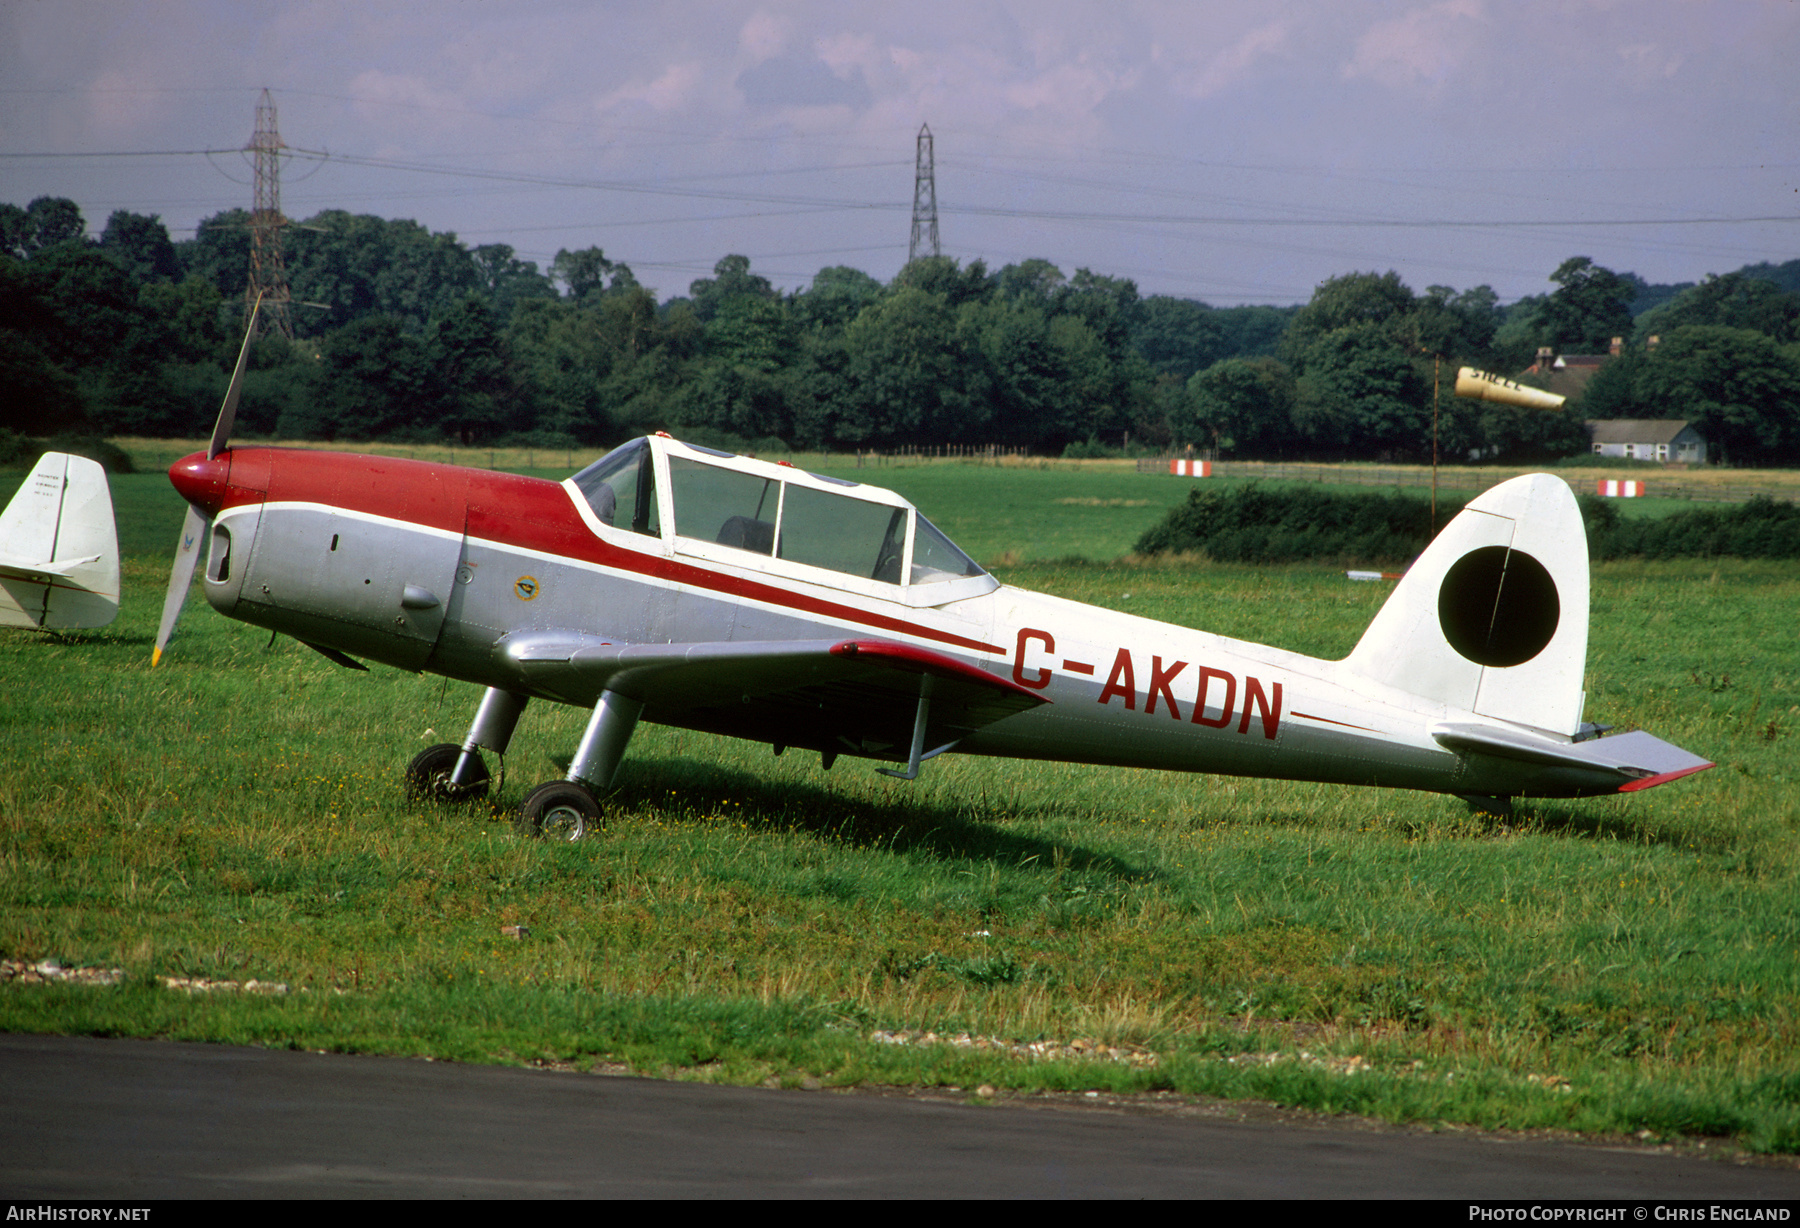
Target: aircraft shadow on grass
{"x":947,"y":832}
{"x":1627,"y":826}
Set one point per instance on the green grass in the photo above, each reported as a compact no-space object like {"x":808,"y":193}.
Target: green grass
{"x":1019,"y":513}
{"x":1610,"y":966}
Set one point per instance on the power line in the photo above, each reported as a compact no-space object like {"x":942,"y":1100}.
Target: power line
{"x":653,"y":189}
{"x":1077,"y":215}
{"x":658,"y":188}
{"x":127,"y":153}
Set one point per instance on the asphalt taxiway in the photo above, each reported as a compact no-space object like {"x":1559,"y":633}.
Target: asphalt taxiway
{"x":123,"y":1119}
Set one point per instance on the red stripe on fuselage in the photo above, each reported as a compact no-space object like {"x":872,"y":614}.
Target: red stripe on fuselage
{"x":508,"y":510}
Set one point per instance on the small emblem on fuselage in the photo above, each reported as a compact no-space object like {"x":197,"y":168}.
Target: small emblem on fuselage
{"x":526,"y":587}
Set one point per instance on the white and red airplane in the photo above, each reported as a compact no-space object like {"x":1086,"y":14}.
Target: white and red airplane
{"x":690,"y":587}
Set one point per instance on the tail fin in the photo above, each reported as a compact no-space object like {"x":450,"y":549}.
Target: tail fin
{"x":1493,"y":617}
{"x":59,"y":547}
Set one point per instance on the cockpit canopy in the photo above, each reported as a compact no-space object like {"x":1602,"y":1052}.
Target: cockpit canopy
{"x":777,"y":518}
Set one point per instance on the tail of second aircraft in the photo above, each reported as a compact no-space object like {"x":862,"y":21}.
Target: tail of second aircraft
{"x":59,"y":548}
{"x":1493,"y":617}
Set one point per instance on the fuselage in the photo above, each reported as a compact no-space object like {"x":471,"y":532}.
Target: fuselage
{"x":435,"y":567}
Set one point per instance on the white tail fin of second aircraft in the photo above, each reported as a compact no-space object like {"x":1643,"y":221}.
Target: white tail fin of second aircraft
{"x":1493,"y":617}
{"x":59,"y":548}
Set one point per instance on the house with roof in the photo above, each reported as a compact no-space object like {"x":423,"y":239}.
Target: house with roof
{"x":1668,"y":440}
{"x":1648,"y":439}
{"x":1567,"y":374}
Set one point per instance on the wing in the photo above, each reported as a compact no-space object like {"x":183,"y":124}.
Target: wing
{"x":851,"y":696}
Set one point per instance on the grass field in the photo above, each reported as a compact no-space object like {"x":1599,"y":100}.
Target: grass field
{"x":1624,"y":966}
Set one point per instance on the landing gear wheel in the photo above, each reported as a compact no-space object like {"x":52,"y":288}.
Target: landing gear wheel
{"x":428,"y":776}
{"x":560,"y":810}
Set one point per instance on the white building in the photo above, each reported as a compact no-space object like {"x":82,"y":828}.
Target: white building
{"x":1648,"y":439}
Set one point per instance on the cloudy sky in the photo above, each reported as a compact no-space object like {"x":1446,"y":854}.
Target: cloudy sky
{"x":1236,"y":152}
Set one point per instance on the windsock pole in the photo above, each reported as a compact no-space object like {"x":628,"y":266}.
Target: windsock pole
{"x":1436,"y":361}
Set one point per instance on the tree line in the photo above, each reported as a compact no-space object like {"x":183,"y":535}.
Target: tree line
{"x":402,"y":333}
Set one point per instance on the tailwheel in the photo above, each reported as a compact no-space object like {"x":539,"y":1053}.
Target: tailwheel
{"x":428,"y":776}
{"x":560,"y":810}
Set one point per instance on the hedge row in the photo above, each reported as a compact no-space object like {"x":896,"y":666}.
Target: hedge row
{"x":1249,"y":524}
{"x":1761,"y":528}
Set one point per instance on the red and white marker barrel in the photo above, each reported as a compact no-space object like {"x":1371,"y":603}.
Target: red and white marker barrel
{"x":1190,"y":468}
{"x":1617,"y":489}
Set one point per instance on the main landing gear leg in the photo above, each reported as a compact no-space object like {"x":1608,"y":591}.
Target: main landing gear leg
{"x":565,"y":809}
{"x":451,"y":773}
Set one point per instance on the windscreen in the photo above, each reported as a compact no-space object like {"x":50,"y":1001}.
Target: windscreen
{"x":936,"y":558}
{"x":621,"y":488}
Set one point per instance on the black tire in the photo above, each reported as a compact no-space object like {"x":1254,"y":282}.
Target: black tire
{"x":428,"y":776}
{"x":560,"y":810}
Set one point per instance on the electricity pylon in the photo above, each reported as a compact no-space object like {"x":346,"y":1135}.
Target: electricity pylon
{"x":924,"y":220}
{"x":268,"y":275}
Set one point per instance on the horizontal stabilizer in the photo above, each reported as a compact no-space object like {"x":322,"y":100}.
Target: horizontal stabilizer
{"x":27,"y":569}
{"x":1640,"y":760}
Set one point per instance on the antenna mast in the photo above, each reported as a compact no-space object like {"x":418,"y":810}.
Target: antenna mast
{"x":268,"y":275}
{"x":924,"y":219}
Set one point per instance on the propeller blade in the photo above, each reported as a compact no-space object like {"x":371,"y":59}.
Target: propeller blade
{"x":228,"y":411}
{"x":187,"y":555}
{"x":193,"y":529}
